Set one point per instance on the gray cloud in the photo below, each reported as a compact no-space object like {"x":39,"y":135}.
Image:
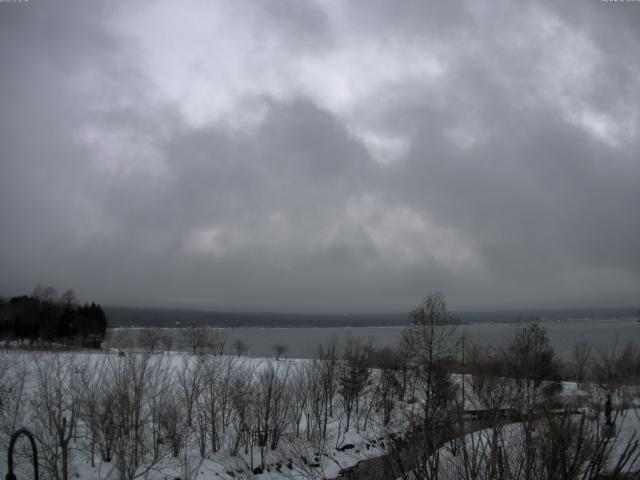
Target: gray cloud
{"x":321,"y":157}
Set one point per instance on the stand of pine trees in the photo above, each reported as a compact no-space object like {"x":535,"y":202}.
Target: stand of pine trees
{"x":45,"y":318}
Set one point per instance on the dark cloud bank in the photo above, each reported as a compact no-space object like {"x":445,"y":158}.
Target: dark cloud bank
{"x":320,"y":156}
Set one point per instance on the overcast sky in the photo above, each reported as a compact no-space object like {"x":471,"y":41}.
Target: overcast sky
{"x":322,"y":156}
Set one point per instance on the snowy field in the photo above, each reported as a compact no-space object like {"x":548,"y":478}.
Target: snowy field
{"x":25,"y":376}
{"x":188,"y":404}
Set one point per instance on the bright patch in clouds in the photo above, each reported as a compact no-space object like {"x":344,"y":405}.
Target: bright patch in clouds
{"x":410,"y":237}
{"x":383,"y":148}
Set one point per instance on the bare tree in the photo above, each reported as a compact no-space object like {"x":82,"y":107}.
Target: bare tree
{"x":173,"y":430}
{"x":354,"y":377}
{"x":279,"y":349}
{"x":616,"y":374}
{"x":431,"y":410}
{"x":197,"y":337}
{"x":306,"y":459}
{"x":299,"y":395}
{"x":580,"y":361}
{"x":160,"y":386}
{"x":217,"y":384}
{"x":217,"y":341}
{"x":14,"y":380}
{"x":566,"y":446}
{"x":240,"y":347}
{"x":530,"y":360}
{"x":189,"y":383}
{"x":389,"y":378}
{"x":167,"y":342}
{"x":315,"y":409}
{"x":271,"y":402}
{"x":190,"y":464}
{"x":149,"y":339}
{"x":91,"y":392}
{"x":242,"y":393}
{"x":57,"y":403}
{"x":490,"y":394}
{"x":328,"y":363}
{"x":131,"y":416}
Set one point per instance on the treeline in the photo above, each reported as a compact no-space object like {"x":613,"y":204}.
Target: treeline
{"x":46,"y":318}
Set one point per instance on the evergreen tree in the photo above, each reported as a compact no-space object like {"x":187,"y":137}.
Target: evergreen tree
{"x":46,"y":317}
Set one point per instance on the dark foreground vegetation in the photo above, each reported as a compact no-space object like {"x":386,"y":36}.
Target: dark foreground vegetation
{"x":435,"y":407}
{"x":512,"y":397}
{"x":46,"y":318}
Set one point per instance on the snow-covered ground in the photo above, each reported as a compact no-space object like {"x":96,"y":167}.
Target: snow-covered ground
{"x":29,"y":380}
{"x":295,"y":457}
{"x":511,"y":438}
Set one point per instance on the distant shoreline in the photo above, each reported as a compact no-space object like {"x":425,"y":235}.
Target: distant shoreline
{"x":303,"y":325}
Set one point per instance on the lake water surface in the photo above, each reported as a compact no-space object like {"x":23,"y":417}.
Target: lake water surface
{"x":304,"y":342}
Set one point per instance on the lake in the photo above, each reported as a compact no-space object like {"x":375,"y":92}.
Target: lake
{"x":601,"y":333}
